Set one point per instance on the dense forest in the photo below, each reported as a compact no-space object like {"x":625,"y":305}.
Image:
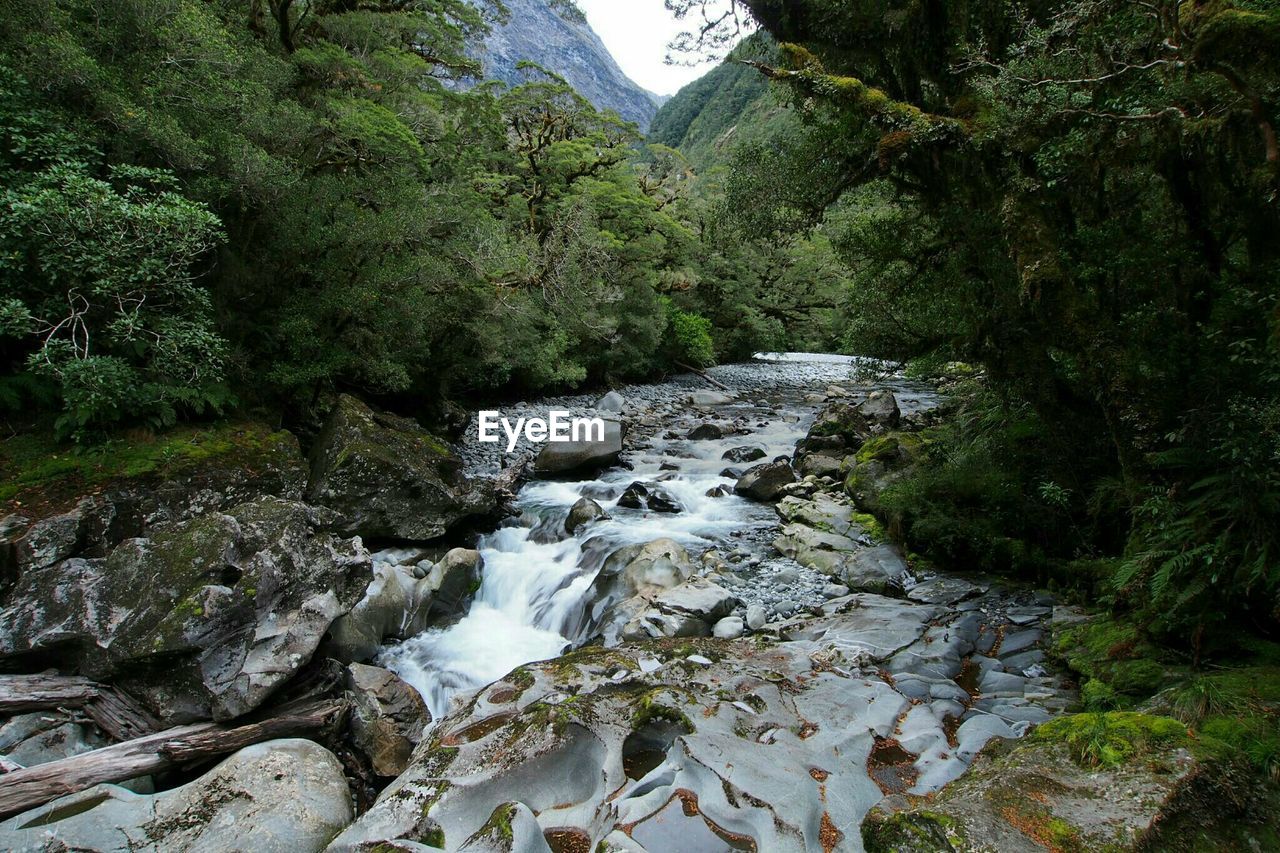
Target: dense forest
{"x":209,"y":206}
{"x":219,"y":206}
{"x":1083,"y":200}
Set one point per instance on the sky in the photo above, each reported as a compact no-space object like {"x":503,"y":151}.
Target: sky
{"x":637,"y":33}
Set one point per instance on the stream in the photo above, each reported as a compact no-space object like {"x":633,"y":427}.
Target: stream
{"x":537,"y":596}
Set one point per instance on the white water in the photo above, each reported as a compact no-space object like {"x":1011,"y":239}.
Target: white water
{"x":533,"y":596}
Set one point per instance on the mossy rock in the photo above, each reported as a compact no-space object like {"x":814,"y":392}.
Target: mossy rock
{"x":387,"y":477}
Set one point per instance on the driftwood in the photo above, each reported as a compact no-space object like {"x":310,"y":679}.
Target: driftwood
{"x":22,"y":693}
{"x":705,"y":376}
{"x":119,"y":715}
{"x":33,"y":786}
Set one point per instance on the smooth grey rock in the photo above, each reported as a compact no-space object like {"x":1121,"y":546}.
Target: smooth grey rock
{"x":710,"y":398}
{"x":611,"y":402}
{"x":756,"y":617}
{"x":571,"y":456}
{"x":283,"y":796}
{"x":943,"y":590}
{"x":874,"y":569}
{"x":697,"y":597}
{"x":728,"y":628}
{"x":386,"y":476}
{"x":881,"y":408}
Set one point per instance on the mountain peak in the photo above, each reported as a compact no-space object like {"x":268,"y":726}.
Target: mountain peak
{"x":567,"y":45}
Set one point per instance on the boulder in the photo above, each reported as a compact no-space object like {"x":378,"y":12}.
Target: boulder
{"x":699,"y":598}
{"x":881,"y":408}
{"x":743,"y":455}
{"x":284,"y":796}
{"x":403,"y":601}
{"x":651,"y":497}
{"x":728,"y":628}
{"x":612,"y":402}
{"x":710,"y":398}
{"x":583,"y":513}
{"x":756,"y":617}
{"x":578,"y":456}
{"x":387,"y":477}
{"x":656,"y":566}
{"x":387,"y":717}
{"x":208,"y":617}
{"x":875,"y":569}
{"x":706,"y":432}
{"x":766,"y":482}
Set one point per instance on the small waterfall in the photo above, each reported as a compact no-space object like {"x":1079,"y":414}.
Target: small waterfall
{"x":536,"y":597}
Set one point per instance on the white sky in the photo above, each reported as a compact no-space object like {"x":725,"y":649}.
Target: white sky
{"x":637,"y":33}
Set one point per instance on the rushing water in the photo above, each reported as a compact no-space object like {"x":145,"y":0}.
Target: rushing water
{"x":536,"y":596}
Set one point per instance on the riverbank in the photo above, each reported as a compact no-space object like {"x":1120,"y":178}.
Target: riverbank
{"x":666,"y":654}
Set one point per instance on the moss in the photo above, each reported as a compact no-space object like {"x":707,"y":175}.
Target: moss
{"x":871,"y":525}
{"x":35,"y":469}
{"x":1114,"y":653}
{"x":498,"y":827}
{"x":1117,"y":737}
{"x":649,"y":708}
{"x":906,"y":832}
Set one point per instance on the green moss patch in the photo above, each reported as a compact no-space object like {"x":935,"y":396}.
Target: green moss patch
{"x":40,"y":474}
{"x":1117,"y":737}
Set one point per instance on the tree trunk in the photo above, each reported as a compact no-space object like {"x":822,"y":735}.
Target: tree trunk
{"x":33,"y":786}
{"x":22,"y":693}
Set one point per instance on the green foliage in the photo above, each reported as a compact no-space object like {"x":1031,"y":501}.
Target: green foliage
{"x":689,"y":337}
{"x":102,"y":274}
{"x":1114,"y":738}
{"x":1080,"y":198}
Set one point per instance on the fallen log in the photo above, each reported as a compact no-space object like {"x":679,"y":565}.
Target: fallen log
{"x":33,"y":786}
{"x":22,"y":693}
{"x":704,"y":375}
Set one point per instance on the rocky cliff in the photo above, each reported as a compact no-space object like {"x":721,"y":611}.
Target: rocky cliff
{"x":567,"y":45}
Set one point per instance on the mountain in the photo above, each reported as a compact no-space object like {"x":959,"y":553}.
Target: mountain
{"x":564,"y":43}
{"x":730,"y":104}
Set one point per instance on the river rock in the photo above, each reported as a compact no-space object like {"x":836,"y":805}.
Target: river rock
{"x":881,"y":408}
{"x":699,"y":598}
{"x":706,"y":432}
{"x":611,"y":402}
{"x":728,"y":628}
{"x":756,"y":617}
{"x":650,"y":496}
{"x":207,"y":617}
{"x":874,"y":569}
{"x":387,"y":717}
{"x":710,"y":398}
{"x":387,"y":477}
{"x":583,"y":513}
{"x":743,"y":455}
{"x":767,"y":743}
{"x":581,"y":456}
{"x":284,"y":796}
{"x":766,"y":482}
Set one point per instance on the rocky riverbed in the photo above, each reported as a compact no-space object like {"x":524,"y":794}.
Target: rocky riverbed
{"x":690,"y":636}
